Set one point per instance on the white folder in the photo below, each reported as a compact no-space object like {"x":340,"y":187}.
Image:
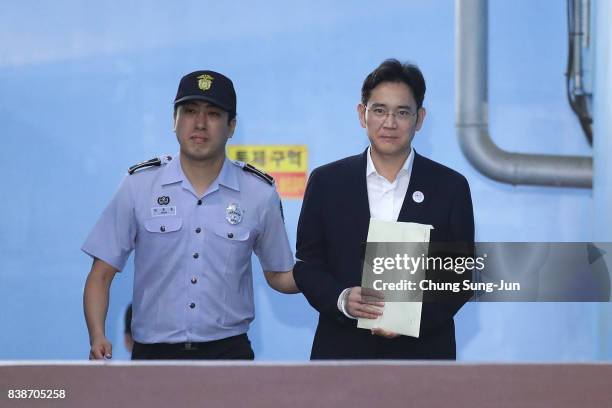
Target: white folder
{"x":399,"y":317}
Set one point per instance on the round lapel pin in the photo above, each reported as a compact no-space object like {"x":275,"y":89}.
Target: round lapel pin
{"x":234,"y":214}
{"x":418,"y":197}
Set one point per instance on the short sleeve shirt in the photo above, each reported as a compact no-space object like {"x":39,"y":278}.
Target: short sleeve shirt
{"x":192,"y":259}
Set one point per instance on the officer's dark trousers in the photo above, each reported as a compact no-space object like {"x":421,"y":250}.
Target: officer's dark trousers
{"x":231,"y":348}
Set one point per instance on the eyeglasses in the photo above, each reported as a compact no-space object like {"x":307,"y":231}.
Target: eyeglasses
{"x":380,"y":112}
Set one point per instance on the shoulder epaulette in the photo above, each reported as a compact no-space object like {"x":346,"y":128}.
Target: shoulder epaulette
{"x":262,"y":175}
{"x":156,"y":161}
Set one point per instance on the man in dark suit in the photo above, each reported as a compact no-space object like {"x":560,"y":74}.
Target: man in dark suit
{"x":388,"y":181}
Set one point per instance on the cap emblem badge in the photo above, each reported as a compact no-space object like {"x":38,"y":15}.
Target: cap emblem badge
{"x":204,"y":82}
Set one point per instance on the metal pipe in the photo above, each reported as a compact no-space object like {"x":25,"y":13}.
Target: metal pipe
{"x":472,"y":115}
{"x":586,"y":23}
{"x":576,"y":36}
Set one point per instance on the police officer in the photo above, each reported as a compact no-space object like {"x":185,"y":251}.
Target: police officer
{"x":194,"y":221}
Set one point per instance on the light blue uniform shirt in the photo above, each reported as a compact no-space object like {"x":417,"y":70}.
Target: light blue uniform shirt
{"x":192,"y":275}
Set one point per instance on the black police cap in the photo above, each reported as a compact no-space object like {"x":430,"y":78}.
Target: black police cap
{"x":207,"y":86}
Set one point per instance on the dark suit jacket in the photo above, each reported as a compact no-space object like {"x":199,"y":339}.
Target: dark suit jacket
{"x":331,"y":236}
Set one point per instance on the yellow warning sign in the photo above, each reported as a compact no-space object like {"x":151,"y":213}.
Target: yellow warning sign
{"x":288,"y":164}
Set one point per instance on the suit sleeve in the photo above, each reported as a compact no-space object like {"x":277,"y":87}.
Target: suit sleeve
{"x":311,"y":271}
{"x":461,"y":235}
{"x":462,"y":232}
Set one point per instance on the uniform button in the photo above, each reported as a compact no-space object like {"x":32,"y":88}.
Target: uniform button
{"x":199,"y":202}
{"x":194,"y":280}
{"x":198,"y":230}
{"x":196,"y":255}
{"x":230,"y":235}
{"x":192,"y":305}
{"x":162,"y":228}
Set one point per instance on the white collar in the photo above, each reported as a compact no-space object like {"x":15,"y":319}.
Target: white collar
{"x":406,"y":168}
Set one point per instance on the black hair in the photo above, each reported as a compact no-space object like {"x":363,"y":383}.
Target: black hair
{"x":392,"y":70}
{"x":231,"y":114}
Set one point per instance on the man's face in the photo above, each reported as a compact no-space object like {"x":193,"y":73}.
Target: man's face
{"x":202,"y":130}
{"x":390,"y":120}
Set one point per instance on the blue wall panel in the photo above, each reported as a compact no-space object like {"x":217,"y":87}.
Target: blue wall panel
{"x":87,"y":90}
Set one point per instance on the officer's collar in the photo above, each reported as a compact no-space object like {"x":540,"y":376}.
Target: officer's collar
{"x":173,"y":173}
{"x":227,"y":175}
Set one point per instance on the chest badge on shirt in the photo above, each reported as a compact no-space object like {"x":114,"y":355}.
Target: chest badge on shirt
{"x":163,"y":200}
{"x":418,"y":197}
{"x":234,"y":213}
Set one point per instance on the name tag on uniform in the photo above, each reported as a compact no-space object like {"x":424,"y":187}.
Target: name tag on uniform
{"x":163,"y":211}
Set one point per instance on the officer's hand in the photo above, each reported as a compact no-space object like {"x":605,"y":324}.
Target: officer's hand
{"x":365,"y":303}
{"x":377,"y":331}
{"x":101,"y":349}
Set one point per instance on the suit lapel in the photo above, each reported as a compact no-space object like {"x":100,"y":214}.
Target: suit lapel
{"x":411,"y":210}
{"x":358,"y":197}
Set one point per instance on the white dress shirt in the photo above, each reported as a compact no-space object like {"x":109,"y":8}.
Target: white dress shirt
{"x":385,"y":199}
